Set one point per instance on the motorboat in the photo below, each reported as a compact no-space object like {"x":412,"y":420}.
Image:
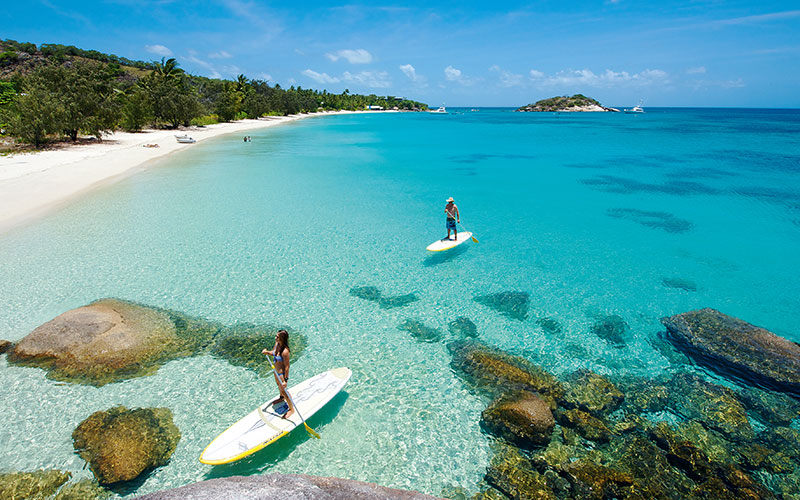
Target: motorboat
{"x":635,"y":109}
{"x":185,"y":139}
{"x":440,"y":110}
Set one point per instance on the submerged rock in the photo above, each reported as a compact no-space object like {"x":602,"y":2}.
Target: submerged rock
{"x":109,"y":340}
{"x":373,"y":294}
{"x":31,"y":485}
{"x":595,"y":481}
{"x":716,"y":407}
{"x":284,"y":486}
{"x":521,"y":418}
{"x":463,"y":327}
{"x":591,"y":392}
{"x":513,"y":474}
{"x":496,"y":372}
{"x":644,"y":395}
{"x":420,"y":331}
{"x":736,"y":348}
{"x":680,"y":283}
{"x":119,"y":444}
{"x":83,"y":490}
{"x":5,"y":345}
{"x":549,"y":325}
{"x":653,"y":476}
{"x":772,"y":408}
{"x":589,"y":427}
{"x":512,"y":304}
{"x":785,"y":440}
{"x":611,"y":328}
{"x":241,"y":345}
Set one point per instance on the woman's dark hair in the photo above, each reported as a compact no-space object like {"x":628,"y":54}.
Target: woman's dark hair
{"x":283,"y":338}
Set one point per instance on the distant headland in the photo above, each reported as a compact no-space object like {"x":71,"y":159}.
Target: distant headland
{"x":576,"y":103}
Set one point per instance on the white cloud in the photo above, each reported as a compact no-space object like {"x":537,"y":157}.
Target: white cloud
{"x":220,"y":55}
{"x":158,"y":50}
{"x":699,"y":70}
{"x":452,"y":74}
{"x":507,"y":79}
{"x":212,"y":71}
{"x":320,"y":77}
{"x":725,"y":84}
{"x":609,"y":78}
{"x":375,"y":79}
{"x":358,"y":56}
{"x":265,"y":76}
{"x":410,"y":72}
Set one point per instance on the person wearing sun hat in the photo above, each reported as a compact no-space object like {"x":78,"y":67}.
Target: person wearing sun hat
{"x":451,"y":211}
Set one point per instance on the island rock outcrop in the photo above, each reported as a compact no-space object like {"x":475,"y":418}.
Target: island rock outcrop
{"x":733,"y":347}
{"x":119,"y":444}
{"x":565,"y":104}
{"x":284,"y":486}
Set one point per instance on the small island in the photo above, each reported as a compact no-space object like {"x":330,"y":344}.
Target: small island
{"x":576,"y":103}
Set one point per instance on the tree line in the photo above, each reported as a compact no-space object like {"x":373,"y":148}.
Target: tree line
{"x":67,"y":95}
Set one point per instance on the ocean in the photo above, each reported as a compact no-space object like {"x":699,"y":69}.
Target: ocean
{"x":595,"y":214}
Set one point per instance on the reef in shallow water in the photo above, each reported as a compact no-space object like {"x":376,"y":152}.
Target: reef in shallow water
{"x":511,"y":303}
{"x":737,"y":349}
{"x":373,"y":294}
{"x":611,"y":328}
{"x":112,"y":340}
{"x":463,"y":327}
{"x":120,"y":444}
{"x":420,"y":331}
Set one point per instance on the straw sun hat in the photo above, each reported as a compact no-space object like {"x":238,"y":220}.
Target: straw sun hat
{"x":450,"y":199}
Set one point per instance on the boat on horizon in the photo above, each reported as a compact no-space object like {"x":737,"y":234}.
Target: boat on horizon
{"x":441,"y":109}
{"x":635,"y":109}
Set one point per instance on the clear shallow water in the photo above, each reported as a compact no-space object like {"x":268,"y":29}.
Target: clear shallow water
{"x":588,"y":213}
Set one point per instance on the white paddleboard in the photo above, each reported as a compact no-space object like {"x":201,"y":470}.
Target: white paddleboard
{"x":447,"y":244}
{"x":264,"y":425}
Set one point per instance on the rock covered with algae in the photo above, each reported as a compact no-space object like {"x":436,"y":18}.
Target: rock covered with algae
{"x":112,"y":340}
{"x":736,"y":348}
{"x":31,"y":485}
{"x":463,"y":327}
{"x":5,"y":345}
{"x":106,"y":341}
{"x":510,"y":303}
{"x":716,"y":407}
{"x":120,"y":444}
{"x":592,"y":393}
{"x":514,"y":475}
{"x":495,"y":371}
{"x":520,"y":417}
{"x":591,"y":428}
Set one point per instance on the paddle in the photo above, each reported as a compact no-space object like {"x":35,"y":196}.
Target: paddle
{"x":309,"y":429}
{"x":465,"y":229}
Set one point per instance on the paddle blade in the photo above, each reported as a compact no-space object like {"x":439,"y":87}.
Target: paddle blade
{"x":312,"y":431}
{"x":475,"y":239}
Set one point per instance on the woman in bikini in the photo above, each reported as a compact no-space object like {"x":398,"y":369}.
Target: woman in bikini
{"x":281,"y":354}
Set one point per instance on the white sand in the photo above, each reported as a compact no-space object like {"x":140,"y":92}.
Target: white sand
{"x":32,"y":184}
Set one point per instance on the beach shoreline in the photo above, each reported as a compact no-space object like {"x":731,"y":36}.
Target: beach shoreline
{"x":33,"y":184}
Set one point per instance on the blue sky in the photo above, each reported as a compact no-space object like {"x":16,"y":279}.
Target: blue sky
{"x":464,"y":53}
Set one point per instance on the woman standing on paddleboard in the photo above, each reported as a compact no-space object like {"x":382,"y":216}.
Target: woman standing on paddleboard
{"x":281,"y":354}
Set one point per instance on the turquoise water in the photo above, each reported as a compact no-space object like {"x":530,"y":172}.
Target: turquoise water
{"x":588,"y":213}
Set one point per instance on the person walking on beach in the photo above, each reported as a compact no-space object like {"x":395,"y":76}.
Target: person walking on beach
{"x":280,"y":351}
{"x":451,"y":211}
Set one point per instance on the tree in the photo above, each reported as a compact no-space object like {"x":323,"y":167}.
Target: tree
{"x":35,"y":113}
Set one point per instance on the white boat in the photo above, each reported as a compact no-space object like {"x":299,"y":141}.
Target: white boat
{"x":184,"y":139}
{"x":635,"y":109}
{"x":440,"y":110}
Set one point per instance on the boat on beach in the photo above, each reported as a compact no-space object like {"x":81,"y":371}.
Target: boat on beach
{"x":636,"y":109}
{"x":185,"y":139}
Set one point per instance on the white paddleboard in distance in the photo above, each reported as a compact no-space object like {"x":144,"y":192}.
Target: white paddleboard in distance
{"x":264,"y":425}
{"x":447,"y":244}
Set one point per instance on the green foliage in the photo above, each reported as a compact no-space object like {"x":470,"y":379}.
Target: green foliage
{"x":69,"y":95}
{"x":560,"y":102}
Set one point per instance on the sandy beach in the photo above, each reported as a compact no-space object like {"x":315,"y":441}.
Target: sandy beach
{"x":32,"y":184}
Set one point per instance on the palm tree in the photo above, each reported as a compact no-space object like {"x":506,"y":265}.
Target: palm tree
{"x":167,"y":69}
